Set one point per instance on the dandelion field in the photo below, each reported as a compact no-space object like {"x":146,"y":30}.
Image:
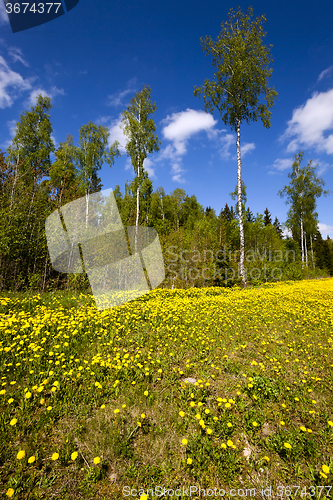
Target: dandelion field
{"x":94,"y":401}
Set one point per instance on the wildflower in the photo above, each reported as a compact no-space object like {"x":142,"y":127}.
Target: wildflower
{"x":326,"y":469}
{"x":189,"y":461}
{"x":31,"y":460}
{"x":28,"y":395}
{"x":143,"y":415}
{"x":255,"y":424}
{"x":103,"y":406}
{"x":330,"y":423}
{"x":97,"y":460}
{"x":143,"y":497}
{"x":223,"y":445}
{"x":146,"y":393}
{"x":229,"y":424}
{"x":74,"y":455}
{"x":209,"y":431}
{"x":182,"y":414}
{"x":10,"y":492}
{"x":10,"y":400}
{"x":282,"y":422}
{"x":184,"y":441}
{"x":266,"y":458}
{"x":49,"y":408}
{"x":207,"y":411}
{"x":287,"y":445}
{"x":192,"y":403}
{"x":303,"y":428}
{"x":116,"y":410}
{"x":55,"y":456}
{"x":230,"y":443}
{"x":20,"y":455}
{"x":13,"y":421}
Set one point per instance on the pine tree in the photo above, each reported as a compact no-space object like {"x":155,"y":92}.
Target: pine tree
{"x":267,"y":217}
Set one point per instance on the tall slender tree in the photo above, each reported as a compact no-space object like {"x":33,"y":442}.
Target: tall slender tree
{"x":142,"y":138}
{"x":243,"y":71}
{"x":301,"y":192}
{"x":90,"y":155}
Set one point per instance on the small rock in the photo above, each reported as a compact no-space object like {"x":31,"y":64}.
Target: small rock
{"x":189,"y":380}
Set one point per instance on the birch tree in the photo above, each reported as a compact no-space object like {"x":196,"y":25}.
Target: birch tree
{"x":301,"y":193}
{"x":242,"y":63}
{"x":91,"y":154}
{"x":142,"y":139}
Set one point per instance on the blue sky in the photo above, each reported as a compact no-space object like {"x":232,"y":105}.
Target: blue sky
{"x":92,"y":60}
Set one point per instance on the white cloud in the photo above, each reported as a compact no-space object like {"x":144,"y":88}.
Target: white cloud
{"x":324,"y":73}
{"x":16,"y":54}
{"x":117,"y":99}
{"x":249,"y":146}
{"x":10,"y":80}
{"x":281,"y":164}
{"x":51,"y":93}
{"x":117,"y":134}
{"x":325,"y":230}
{"x":309,"y":123}
{"x":178,"y":129}
{"x":3,"y":15}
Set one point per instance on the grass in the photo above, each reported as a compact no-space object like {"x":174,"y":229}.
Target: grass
{"x":109,"y":386}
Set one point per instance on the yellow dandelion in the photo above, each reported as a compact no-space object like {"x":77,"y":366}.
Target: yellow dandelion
{"x":10,"y":492}
{"x":74,"y":455}
{"x":189,"y":461}
{"x":102,"y":407}
{"x":326,"y":469}
{"x":266,"y":458}
{"x":31,"y":460}
{"x":146,"y":393}
{"x":182,"y":414}
{"x":116,"y":410}
{"x":255,"y":424}
{"x":230,"y":443}
{"x":303,"y":428}
{"x":97,"y":460}
{"x":49,"y":408}
{"x":223,"y":445}
{"x":143,"y":497}
{"x":55,"y":456}
{"x":20,"y":455}
{"x":209,"y":431}
{"x":13,"y":421}
{"x":184,"y":441}
{"x":143,"y":415}
{"x":287,"y":445}
{"x":323,"y":475}
{"x":330,"y":423}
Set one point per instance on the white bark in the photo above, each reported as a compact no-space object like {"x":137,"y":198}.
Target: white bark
{"x":241,"y":228}
{"x":302,"y":243}
{"x":313,"y":262}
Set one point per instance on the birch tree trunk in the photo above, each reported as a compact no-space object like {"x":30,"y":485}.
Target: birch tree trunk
{"x":241,"y":228}
{"x":302,"y":243}
{"x":313,"y":262}
{"x":306,"y":250}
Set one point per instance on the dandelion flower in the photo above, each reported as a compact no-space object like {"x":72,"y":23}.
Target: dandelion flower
{"x":116,"y":410}
{"x":303,"y":428}
{"x":255,"y":424}
{"x":326,"y":469}
{"x":330,"y":423}
{"x":266,"y":458}
{"x":189,"y":461}
{"x":230,"y":443}
{"x":182,"y":414}
{"x":20,"y":455}
{"x":13,"y":421}
{"x":31,"y":460}
{"x":146,"y":393}
{"x":223,"y":445}
{"x":287,"y":445}
{"x":184,"y":441}
{"x":143,"y":415}
{"x":74,"y":455}
{"x":143,"y":497}
{"x":10,"y":492}
{"x":209,"y":431}
{"x":97,"y":460}
{"x":55,"y":456}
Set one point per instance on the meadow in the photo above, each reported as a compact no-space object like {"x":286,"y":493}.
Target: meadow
{"x":217,"y":388}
